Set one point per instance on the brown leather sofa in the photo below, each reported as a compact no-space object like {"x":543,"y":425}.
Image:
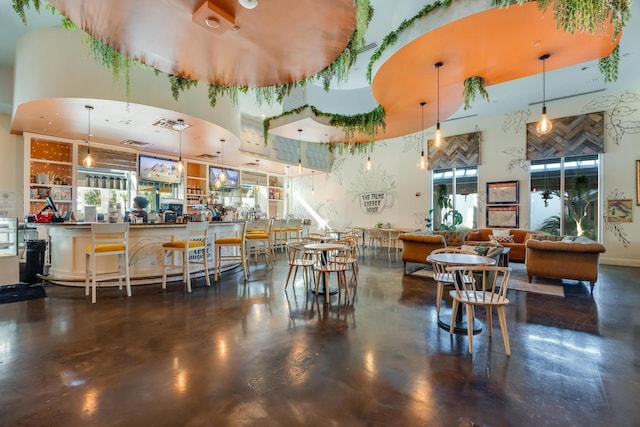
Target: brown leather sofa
{"x":520,"y":237}
{"x":416,"y":247}
{"x":549,"y":256}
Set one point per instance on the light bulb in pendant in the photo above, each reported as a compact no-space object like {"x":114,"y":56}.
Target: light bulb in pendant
{"x":438,"y":135}
{"x":368,"y":163}
{"x":88,"y":161}
{"x":422,"y":163}
{"x":180,"y":167}
{"x":544,"y":125}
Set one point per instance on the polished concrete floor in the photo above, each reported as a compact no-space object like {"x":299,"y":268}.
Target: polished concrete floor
{"x":255,"y":355}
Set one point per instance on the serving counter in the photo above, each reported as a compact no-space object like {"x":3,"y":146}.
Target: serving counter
{"x":68,"y":243}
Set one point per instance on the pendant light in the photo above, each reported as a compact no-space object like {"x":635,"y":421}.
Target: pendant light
{"x":544,"y":125}
{"x":257,"y":187}
{"x":437,"y":66}
{"x":222,"y":177}
{"x":218,"y":184}
{"x":88,"y":161}
{"x":422,"y":164}
{"x":312,"y":191}
{"x":180,"y":126}
{"x":299,"y":146}
{"x":369,"y":162}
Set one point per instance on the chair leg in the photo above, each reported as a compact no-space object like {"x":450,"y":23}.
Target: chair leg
{"x":286,"y":283}
{"x":489,"y":315}
{"x":127,"y":276}
{"x":454,"y":311}
{"x":439,"y":290}
{"x":216,"y":264}
{"x":346,"y":285}
{"x":505,"y":333}
{"x":469,"y":310}
{"x":185,"y":269}
{"x":93,"y":280}
{"x":206,"y":268}
{"x":87,"y":274}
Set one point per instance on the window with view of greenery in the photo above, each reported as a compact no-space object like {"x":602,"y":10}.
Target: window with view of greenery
{"x":455,"y":198}
{"x":564,"y":195}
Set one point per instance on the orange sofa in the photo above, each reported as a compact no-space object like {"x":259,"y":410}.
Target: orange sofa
{"x":520,"y":237}
{"x":416,"y":247}
{"x":549,"y":256}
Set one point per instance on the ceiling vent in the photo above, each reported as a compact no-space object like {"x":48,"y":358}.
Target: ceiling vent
{"x":368,"y":47}
{"x":170,"y":124}
{"x":208,"y":156}
{"x":133,"y":143}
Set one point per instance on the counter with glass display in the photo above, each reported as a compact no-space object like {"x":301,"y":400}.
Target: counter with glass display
{"x":68,"y":242}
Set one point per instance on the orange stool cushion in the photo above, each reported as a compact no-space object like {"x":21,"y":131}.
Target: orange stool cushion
{"x":228,"y":241}
{"x":112,"y":247}
{"x":181,"y":244}
{"x":256,"y":236}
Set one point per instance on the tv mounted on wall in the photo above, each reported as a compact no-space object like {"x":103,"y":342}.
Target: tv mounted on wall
{"x":233,"y":176}
{"x":158,"y":170}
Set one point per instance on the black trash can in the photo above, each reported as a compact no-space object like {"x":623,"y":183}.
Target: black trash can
{"x":35,"y":250}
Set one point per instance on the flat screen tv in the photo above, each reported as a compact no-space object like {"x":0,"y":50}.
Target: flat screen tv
{"x":158,"y":170}
{"x":233,"y":176}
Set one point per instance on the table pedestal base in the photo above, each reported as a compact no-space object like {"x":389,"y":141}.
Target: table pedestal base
{"x":460,"y":326}
{"x":322,"y":291}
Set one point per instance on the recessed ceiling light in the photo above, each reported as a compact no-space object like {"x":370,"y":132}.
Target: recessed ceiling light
{"x":212,"y":22}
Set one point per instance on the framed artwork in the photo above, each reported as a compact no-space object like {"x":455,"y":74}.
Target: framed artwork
{"x":638,"y":182}
{"x":619,"y":210}
{"x":503,"y":217}
{"x":502,"y":193}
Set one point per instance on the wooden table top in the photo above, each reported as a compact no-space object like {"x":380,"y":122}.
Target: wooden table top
{"x":324,"y":246}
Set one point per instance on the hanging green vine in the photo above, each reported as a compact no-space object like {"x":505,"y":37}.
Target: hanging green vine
{"x":472,"y":87}
{"x":20,"y":7}
{"x":391,"y":38}
{"x":350,"y":147}
{"x":111,"y":59}
{"x":365,"y":123}
{"x":585,"y":16}
{"x":608,"y":66}
{"x":180,"y":84}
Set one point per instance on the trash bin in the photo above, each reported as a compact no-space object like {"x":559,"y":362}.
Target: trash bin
{"x":35,"y":259}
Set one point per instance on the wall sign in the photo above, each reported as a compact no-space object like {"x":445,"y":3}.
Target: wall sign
{"x":376,"y":201}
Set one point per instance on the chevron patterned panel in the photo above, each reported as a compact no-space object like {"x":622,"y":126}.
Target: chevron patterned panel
{"x":457,"y":151}
{"x":570,"y":136}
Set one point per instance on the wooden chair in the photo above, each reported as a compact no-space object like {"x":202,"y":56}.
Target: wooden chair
{"x":297,"y":258}
{"x":441,"y":276}
{"x":482,"y":286}
{"x":195,"y":241}
{"x":329,"y":264}
{"x":348,"y":257}
{"x":107,"y":240}
{"x":235,"y":251}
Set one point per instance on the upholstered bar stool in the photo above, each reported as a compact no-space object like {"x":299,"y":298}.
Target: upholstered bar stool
{"x":194,"y":241}
{"x":231,"y":249}
{"x":279,"y":234}
{"x":107,"y":240}
{"x":259,"y":240}
{"x":294,"y":229}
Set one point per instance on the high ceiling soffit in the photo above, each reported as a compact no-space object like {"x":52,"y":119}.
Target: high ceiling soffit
{"x":497,"y":44}
{"x":277,"y":42}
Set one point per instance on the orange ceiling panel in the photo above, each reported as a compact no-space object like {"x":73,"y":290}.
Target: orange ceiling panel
{"x":279,"y":41}
{"x":499,"y":45}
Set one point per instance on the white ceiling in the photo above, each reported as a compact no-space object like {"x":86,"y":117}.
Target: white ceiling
{"x":519,"y":94}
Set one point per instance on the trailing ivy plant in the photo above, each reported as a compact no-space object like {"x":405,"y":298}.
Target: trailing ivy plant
{"x":111,"y":59}
{"x":365,"y":123}
{"x":392,"y":37}
{"x":350,"y":147}
{"x":472,"y":87}
{"x":608,"y":66}
{"x":20,"y":6}
{"x":180,"y":84}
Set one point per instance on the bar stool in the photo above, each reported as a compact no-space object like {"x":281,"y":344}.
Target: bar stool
{"x":236,"y":251}
{"x":259,"y":239}
{"x":107,"y":240}
{"x":294,"y":229}
{"x":195,"y":241}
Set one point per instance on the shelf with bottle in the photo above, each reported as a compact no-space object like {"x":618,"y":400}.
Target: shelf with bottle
{"x":276,"y":193}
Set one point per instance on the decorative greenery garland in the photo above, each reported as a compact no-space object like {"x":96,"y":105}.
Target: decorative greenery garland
{"x":350,"y":147}
{"x":472,"y":87}
{"x":366,"y":123}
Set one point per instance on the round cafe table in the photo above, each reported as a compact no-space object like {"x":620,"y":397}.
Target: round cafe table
{"x":323,"y":248}
{"x":444,"y":320}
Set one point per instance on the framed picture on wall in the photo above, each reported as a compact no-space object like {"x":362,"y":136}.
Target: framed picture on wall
{"x":503,"y":217}
{"x":620,"y":210}
{"x":502,"y":193}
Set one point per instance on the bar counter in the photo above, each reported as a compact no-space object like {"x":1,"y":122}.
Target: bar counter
{"x":68,"y":243}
